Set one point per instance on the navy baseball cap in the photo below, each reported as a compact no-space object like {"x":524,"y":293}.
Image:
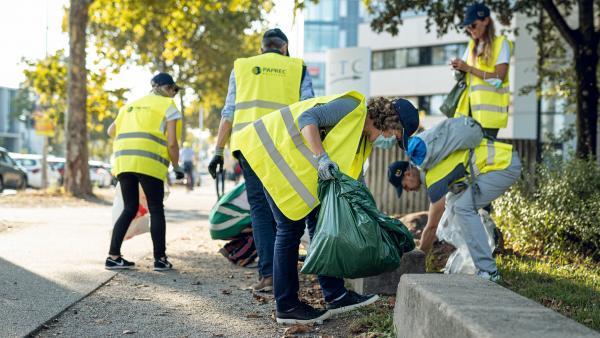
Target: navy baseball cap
{"x":396,"y":173}
{"x":477,"y":11}
{"x":162,"y":79}
{"x":275,"y":33}
{"x":409,"y":117}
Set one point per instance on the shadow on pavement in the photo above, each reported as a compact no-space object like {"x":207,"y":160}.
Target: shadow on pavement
{"x":179,"y":216}
{"x":28,"y":300}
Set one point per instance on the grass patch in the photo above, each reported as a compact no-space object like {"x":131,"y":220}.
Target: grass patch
{"x":375,"y":320}
{"x":571,"y":288}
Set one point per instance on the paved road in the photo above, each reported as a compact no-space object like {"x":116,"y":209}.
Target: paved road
{"x":55,"y":256}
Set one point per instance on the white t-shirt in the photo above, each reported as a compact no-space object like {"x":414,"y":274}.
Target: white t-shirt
{"x":503,"y":57}
{"x":172,"y":114}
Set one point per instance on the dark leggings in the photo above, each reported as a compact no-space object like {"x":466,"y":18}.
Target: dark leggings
{"x":155,"y":192}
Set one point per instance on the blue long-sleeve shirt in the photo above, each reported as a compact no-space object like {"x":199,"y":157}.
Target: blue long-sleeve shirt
{"x":306,"y":92}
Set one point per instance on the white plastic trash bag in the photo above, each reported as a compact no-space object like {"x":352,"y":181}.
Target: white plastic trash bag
{"x":460,"y":261}
{"x":141,"y":222}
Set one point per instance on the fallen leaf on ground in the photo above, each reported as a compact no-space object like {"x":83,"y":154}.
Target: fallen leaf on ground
{"x":226,"y":292}
{"x":587,"y":321}
{"x":128,"y":332}
{"x":253,"y":315}
{"x":260,"y":299}
{"x":141,"y":286}
{"x":295,"y":329}
{"x":196,"y":283}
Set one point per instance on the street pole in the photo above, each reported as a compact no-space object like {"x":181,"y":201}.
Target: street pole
{"x":45,"y":163}
{"x":45,"y":144}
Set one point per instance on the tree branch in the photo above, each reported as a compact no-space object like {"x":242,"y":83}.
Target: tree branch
{"x":567,"y":32}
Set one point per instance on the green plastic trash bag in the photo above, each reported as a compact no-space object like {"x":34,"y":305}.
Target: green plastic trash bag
{"x":353,"y":238}
{"x":231,"y":214}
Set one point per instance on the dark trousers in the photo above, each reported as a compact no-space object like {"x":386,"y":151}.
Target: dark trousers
{"x":285,"y":262}
{"x":155,"y":191}
{"x":263,"y":224}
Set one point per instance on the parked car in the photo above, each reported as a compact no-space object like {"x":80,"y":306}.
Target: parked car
{"x":58,"y":164}
{"x":12,"y":175}
{"x":99,"y":175}
{"x":32,"y":163}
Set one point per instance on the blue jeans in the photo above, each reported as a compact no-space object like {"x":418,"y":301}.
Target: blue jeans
{"x":285,"y":263}
{"x":263,"y":224}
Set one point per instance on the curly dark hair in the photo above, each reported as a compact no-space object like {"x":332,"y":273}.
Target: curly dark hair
{"x":383,"y":114}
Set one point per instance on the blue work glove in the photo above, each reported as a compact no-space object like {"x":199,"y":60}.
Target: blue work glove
{"x":326,"y":167}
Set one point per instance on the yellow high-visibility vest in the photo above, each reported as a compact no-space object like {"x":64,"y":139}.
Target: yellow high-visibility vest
{"x":264,"y":83}
{"x":281,"y":158}
{"x":488,"y":156}
{"x":140,"y":146}
{"x":488,"y":104}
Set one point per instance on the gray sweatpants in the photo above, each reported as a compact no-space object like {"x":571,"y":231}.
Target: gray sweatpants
{"x":459,"y":209}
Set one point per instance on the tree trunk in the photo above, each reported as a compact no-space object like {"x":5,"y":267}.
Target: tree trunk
{"x":586,"y":65}
{"x":77,"y":178}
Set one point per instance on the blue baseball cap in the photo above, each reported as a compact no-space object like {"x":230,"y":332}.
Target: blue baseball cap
{"x":409,"y":117}
{"x":162,"y":79}
{"x":396,"y":173}
{"x":477,"y":11}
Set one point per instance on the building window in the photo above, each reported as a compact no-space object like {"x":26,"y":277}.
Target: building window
{"x":401,"y":55}
{"x":325,"y":10}
{"x":412,"y":57}
{"x":377,"y":61}
{"x":441,"y":55}
{"x":316,"y":70}
{"x":318,"y":38}
{"x":430,"y":104}
{"x":417,"y":56}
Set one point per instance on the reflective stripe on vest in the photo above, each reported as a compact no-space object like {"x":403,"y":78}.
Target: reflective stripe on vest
{"x":142,"y":153}
{"x":280,"y":157}
{"x":264,"y":83}
{"x":259,"y":104}
{"x":487,"y":104}
{"x":491,"y":152}
{"x":142,"y":135}
{"x":283,"y":167}
{"x":488,"y":156}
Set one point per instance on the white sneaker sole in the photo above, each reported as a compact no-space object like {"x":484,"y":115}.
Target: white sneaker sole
{"x":354,"y":306}
{"x":118,"y":267}
{"x":319,"y":320}
{"x":162,"y":269}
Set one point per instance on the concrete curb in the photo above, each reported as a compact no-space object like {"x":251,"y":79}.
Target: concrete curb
{"x":437,"y":305}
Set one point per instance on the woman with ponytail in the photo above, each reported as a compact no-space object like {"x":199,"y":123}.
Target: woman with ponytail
{"x":485,"y":61}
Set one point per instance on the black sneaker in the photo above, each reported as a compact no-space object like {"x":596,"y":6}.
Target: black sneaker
{"x":118,"y":264}
{"x":162,"y":264}
{"x":302,"y":314}
{"x":350,"y":301}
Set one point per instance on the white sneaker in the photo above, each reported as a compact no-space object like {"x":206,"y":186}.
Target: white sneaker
{"x":492,"y":277}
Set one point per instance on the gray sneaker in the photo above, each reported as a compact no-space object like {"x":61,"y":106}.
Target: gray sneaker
{"x":264,"y":284}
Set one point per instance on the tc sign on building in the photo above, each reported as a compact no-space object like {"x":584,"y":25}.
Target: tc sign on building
{"x":348,"y":69}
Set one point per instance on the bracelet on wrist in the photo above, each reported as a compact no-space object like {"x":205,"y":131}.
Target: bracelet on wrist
{"x":219,"y":151}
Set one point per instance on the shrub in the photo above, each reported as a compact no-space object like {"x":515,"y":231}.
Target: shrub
{"x":555,"y":211}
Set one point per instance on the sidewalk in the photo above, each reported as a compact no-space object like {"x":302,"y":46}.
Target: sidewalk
{"x":205,"y":296}
{"x":54,"y":256}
